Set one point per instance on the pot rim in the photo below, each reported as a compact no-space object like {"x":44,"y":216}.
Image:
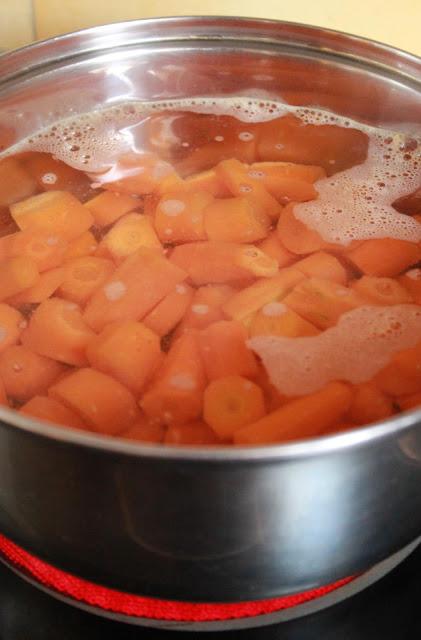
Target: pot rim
{"x":26,"y":60}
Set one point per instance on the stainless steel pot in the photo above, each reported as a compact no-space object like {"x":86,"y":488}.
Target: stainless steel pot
{"x":199,"y":524}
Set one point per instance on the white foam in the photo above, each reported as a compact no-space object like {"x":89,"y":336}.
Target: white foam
{"x":359,"y":346}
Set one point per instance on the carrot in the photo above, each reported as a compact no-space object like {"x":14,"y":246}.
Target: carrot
{"x":84,"y":245}
{"x":206,"y":181}
{"x":45,"y":408}
{"x":15,"y":182}
{"x":108,"y":207}
{"x":145,"y":430}
{"x":175,"y":395}
{"x":274,"y":248}
{"x":323,"y":265}
{"x":273,"y":398}
{"x":83,"y":276}
{"x":194,"y":433}
{"x":275,"y":319}
{"x":411,"y":401}
{"x":140,"y":174}
{"x":224,"y":350}
{"x":322,"y":302}
{"x":296,"y":236}
{"x":25,"y":373}
{"x":179,"y":216}
{"x":236,"y":177}
{"x":170,"y":311}
{"x":402,"y":375}
{"x":250,"y":299}
{"x":128,"y":351}
{"x":3,"y":398}
{"x":46,"y":285}
{"x":384,"y":257}
{"x":7,"y":224}
{"x":206,"y":306}
{"x":57,"y":330}
{"x":16,"y":275}
{"x":369,"y":404}
{"x":275,"y":172}
{"x":45,"y":249}
{"x":256,"y":262}
{"x":129,"y":234}
{"x":231,"y":402}
{"x":411,"y":280}
{"x":51,"y":174}
{"x":12,"y":323}
{"x":236,"y":220}
{"x":102,"y":402}
{"x":383,"y":291}
{"x":302,"y":418}
{"x":134,"y":289}
{"x":56,"y":212}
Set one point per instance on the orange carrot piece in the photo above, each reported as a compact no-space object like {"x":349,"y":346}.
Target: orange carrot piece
{"x":56,"y":212}
{"x":206,"y":307}
{"x":46,"y":285}
{"x":108,"y":207}
{"x":237,"y":219}
{"x":383,"y":291}
{"x":323,"y":265}
{"x":224,"y":350}
{"x":296,"y":236}
{"x":274,"y":248}
{"x":16,"y":275}
{"x":84,"y":245}
{"x":129,"y":234}
{"x":134,"y":289}
{"x":83,"y":276}
{"x":411,"y":401}
{"x":46,"y":250}
{"x":141,"y":174}
{"x":275,"y":319}
{"x":145,"y":430}
{"x":194,"y":433}
{"x":52,"y":174}
{"x":230,"y":403}
{"x":302,"y":418}
{"x":250,"y":299}
{"x":206,"y":181}
{"x":275,"y":172}
{"x":25,"y":373}
{"x":369,"y":404}
{"x":273,"y":398}
{"x":170,"y":311}
{"x":285,"y":189}
{"x":15,"y":182}
{"x":402,"y":375}
{"x":3,"y":398}
{"x":12,"y":323}
{"x":57,"y":330}
{"x":411,"y":280}
{"x":128,"y":351}
{"x":385,"y":257}
{"x":175,"y":395}
{"x":179,"y":216}
{"x":322,"y":302}
{"x":101,"y":401}
{"x":51,"y":410}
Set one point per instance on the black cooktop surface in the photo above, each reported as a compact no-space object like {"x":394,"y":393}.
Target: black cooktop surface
{"x":388,"y":610}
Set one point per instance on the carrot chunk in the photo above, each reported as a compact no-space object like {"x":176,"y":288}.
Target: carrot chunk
{"x":403,"y":373}
{"x":302,"y":418}
{"x":411,"y":280}
{"x":194,"y":433}
{"x":57,"y":212}
{"x":411,"y":401}
{"x":25,"y":373}
{"x":12,"y":323}
{"x":369,"y":404}
{"x":101,"y":401}
{"x":207,"y":181}
{"x":52,"y":174}
{"x":206,"y":306}
{"x":45,"y":249}
{"x":83,"y":276}
{"x":383,"y":291}
{"x":170,"y":311}
{"x":175,"y":396}
{"x":230,"y":403}
{"x":322,"y":265}
{"x":108,"y":207}
{"x":84,"y":245}
{"x":236,"y":220}
{"x":145,"y":430}
{"x":274,"y":248}
{"x":385,"y":257}
{"x":296,"y":236}
{"x":51,"y":410}
{"x":57,"y":330}
{"x":179,"y":216}
{"x":128,"y":351}
{"x":134,"y":289}
{"x":224,"y":350}
{"x":15,"y":182}
{"x":46,"y":285}
{"x":141,"y":174}
{"x":3,"y":398}
{"x":129,"y":234}
{"x":16,"y":275}
{"x":275,"y":319}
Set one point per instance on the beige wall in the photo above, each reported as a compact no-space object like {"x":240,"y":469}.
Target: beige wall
{"x":397,"y":23}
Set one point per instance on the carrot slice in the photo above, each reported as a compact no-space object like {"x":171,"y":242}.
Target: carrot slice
{"x":101,"y":401}
{"x":411,"y":401}
{"x":134,"y":289}
{"x":274,"y":248}
{"x":45,"y":249}
{"x":224,"y":350}
{"x":16,"y":275}
{"x":141,"y":174}
{"x":25,"y":373}
{"x":230,"y":403}
{"x":3,"y":398}
{"x":369,"y":404}
{"x":296,"y":236}
{"x":302,"y":418}
{"x":175,"y":396}
{"x":128,"y":351}
{"x":108,"y":207}
{"x":275,"y":319}
{"x":385,"y":257}
{"x":57,"y":212}
{"x":206,"y":181}
{"x":15,"y":182}
{"x":194,"y":433}
{"x":12,"y":323}
{"x":57,"y":330}
{"x":51,"y":410}
{"x":179,"y":216}
{"x":145,"y":430}
{"x":275,"y":172}
{"x":403,"y":374}
{"x":129,"y":234}
{"x":411,"y":280}
{"x":170,"y":311}
{"x":52,"y":174}
{"x":236,"y":220}
{"x":84,"y":245}
{"x":206,"y":306}
{"x":83,"y":276}
{"x":383,"y":291}
{"x":323,"y":265}
{"x":46,"y":285}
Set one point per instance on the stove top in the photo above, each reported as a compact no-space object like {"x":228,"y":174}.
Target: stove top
{"x":388,"y":610}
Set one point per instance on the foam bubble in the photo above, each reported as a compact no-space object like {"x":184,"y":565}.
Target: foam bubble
{"x":359,"y":346}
